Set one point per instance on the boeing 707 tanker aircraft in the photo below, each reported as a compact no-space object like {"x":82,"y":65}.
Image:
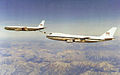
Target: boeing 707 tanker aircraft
{"x":25,"y":28}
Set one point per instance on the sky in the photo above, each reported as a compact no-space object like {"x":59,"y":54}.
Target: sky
{"x":87,"y":17}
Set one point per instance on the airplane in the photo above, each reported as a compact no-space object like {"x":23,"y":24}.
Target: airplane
{"x":25,"y":28}
{"x":82,"y":39}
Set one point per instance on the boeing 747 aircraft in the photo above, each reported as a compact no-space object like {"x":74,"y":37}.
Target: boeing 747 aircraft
{"x":79,"y":38}
{"x":25,"y":28}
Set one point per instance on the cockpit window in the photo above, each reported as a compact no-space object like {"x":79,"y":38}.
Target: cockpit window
{"x":50,"y":33}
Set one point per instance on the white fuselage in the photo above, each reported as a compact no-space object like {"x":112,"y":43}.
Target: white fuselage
{"x":23,"y":28}
{"x":76,"y":38}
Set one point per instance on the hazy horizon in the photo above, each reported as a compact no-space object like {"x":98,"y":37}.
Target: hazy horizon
{"x":31,"y":53}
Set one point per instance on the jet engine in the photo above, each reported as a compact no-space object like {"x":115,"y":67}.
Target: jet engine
{"x":69,"y":41}
{"x":77,"y":40}
{"x":24,"y":29}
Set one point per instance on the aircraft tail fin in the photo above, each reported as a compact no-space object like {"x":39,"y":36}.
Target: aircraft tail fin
{"x":41,"y":25}
{"x":110,"y":32}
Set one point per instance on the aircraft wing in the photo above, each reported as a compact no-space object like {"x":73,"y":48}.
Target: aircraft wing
{"x":21,"y":28}
{"x":16,"y":28}
{"x":73,"y":38}
{"x":84,"y":39}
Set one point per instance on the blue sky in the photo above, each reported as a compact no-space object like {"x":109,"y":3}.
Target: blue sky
{"x":92,"y":17}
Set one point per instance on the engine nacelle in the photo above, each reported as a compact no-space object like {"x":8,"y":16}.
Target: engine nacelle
{"x":77,"y":40}
{"x":24,"y":29}
{"x":69,"y":41}
{"x":17,"y":29}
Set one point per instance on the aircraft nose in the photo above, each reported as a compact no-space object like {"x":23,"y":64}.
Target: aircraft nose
{"x":50,"y":33}
{"x":5,"y":28}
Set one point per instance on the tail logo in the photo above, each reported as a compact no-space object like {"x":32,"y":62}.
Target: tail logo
{"x":108,"y":33}
{"x":40,"y":24}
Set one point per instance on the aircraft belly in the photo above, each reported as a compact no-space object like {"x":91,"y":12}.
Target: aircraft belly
{"x":58,"y":38}
{"x":21,"y":29}
{"x":8,"y":28}
{"x":31,"y":29}
{"x":92,"y":40}
{"x":13,"y":28}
